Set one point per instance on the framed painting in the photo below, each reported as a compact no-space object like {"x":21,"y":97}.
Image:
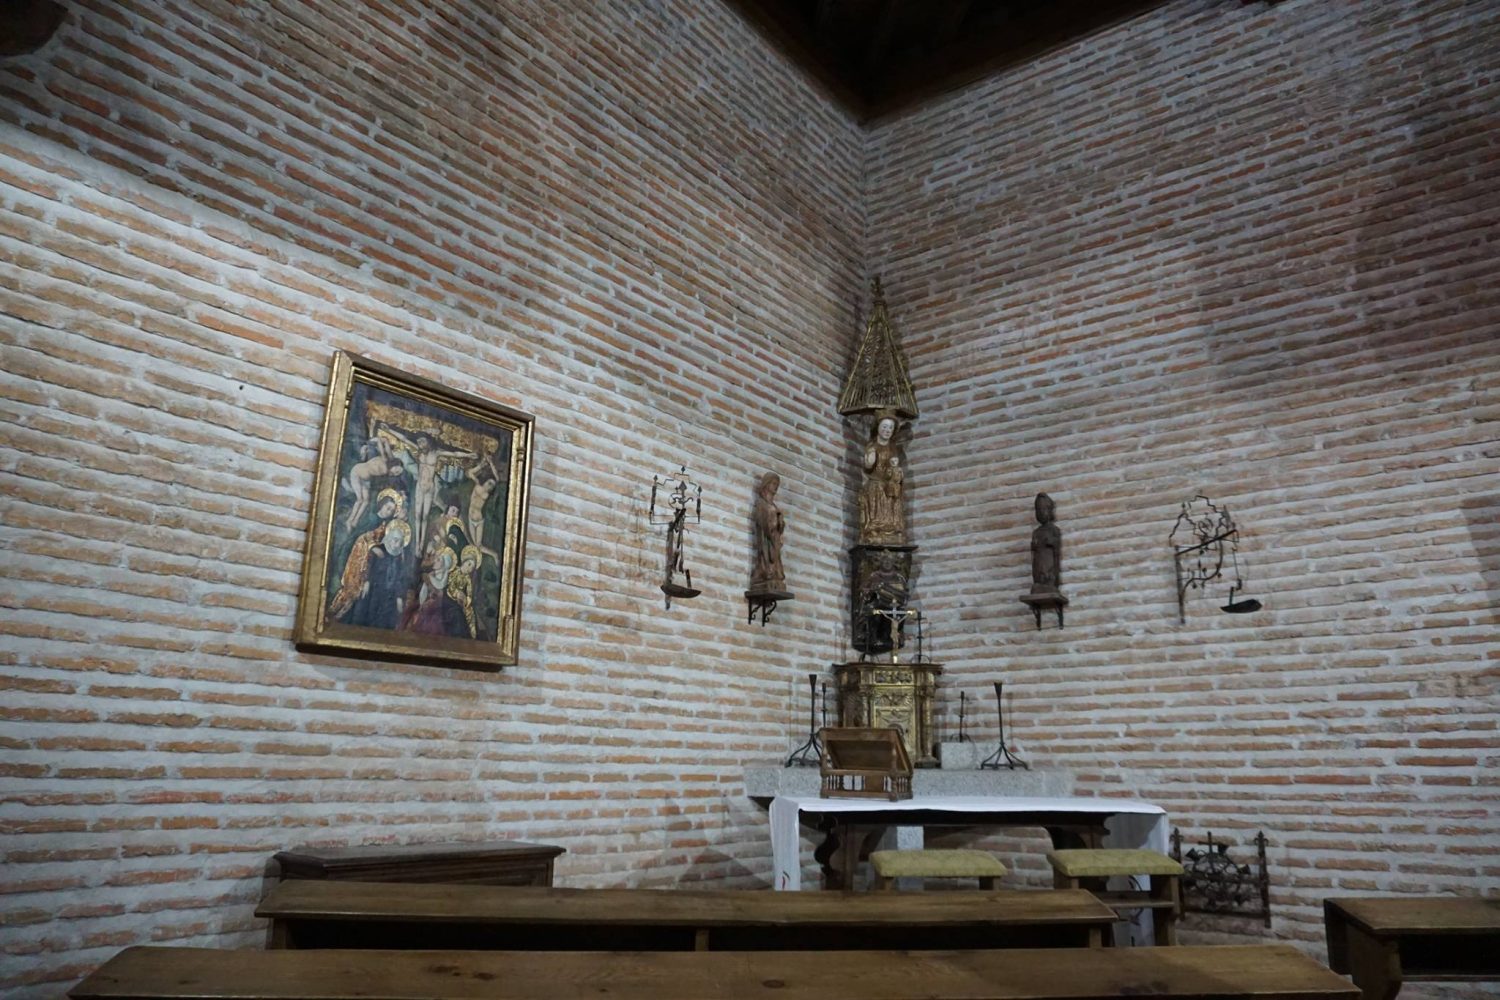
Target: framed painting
{"x":416,"y":544}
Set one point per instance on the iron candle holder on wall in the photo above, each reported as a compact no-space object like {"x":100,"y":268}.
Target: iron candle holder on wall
{"x":1209,"y":531}
{"x":683,"y":505}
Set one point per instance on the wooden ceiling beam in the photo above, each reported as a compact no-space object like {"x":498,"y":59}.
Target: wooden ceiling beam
{"x":880,"y":37}
{"x":976,"y":56}
{"x":949,"y":21}
{"x":779,"y":24}
{"x":823,"y":17}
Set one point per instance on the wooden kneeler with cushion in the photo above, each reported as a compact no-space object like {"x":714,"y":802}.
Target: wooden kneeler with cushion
{"x":891,"y":865}
{"x":1091,"y":869}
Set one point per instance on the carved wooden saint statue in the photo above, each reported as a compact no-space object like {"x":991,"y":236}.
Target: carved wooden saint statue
{"x":767,"y":576}
{"x":1046,"y":548}
{"x":881,"y":517}
{"x":1046,"y":563}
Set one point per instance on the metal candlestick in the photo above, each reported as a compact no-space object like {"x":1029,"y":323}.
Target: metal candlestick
{"x":1002,"y":757}
{"x":809,"y":754}
{"x":961,"y":737}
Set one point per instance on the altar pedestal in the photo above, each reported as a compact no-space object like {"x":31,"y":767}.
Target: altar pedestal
{"x":898,"y":695}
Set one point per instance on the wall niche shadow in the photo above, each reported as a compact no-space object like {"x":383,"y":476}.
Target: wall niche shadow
{"x":1483,"y":516}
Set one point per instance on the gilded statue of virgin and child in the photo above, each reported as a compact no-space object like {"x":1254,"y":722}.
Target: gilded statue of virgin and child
{"x":882,"y":520}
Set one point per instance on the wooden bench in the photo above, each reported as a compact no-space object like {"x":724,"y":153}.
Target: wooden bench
{"x":1093,"y":868}
{"x":311,"y":914}
{"x":494,"y":862}
{"x":1232,"y":972}
{"x":1384,"y":941}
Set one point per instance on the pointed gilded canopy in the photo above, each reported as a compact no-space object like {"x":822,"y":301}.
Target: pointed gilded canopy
{"x":878,"y":380}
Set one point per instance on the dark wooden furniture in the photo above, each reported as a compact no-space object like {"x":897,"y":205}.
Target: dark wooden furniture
{"x":368,"y":915}
{"x":1243,"y":972}
{"x":1384,"y":941}
{"x":501,"y":862}
{"x":1094,"y":869}
{"x":861,"y":763}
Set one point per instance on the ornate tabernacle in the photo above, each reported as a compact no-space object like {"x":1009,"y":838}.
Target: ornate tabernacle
{"x":895,"y":695}
{"x":880,"y":561}
{"x":864,"y":763}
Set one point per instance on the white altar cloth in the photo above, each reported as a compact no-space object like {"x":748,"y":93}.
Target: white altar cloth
{"x":1128,"y":822}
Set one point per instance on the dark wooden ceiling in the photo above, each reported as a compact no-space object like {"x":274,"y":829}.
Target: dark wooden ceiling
{"x":879,"y":57}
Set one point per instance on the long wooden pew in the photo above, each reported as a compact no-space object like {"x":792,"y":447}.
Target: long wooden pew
{"x":1383,"y":941}
{"x":1232,"y":972}
{"x":321,"y":914}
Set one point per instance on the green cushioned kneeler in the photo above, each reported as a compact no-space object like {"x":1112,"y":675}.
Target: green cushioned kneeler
{"x":1104,"y":862}
{"x":936,"y":864}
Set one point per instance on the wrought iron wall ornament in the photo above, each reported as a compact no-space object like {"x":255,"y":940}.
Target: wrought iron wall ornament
{"x":682,"y":504}
{"x":1213,"y":882}
{"x":1201,"y":538}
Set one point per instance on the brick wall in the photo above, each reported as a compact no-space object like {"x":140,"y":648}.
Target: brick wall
{"x":629,"y":219}
{"x":1231,"y":247}
{"x":1250,"y":251}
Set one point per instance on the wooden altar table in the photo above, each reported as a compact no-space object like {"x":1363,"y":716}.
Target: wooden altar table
{"x":1073,"y":821}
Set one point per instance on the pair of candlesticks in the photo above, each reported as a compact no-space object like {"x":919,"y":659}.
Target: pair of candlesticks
{"x":810,"y":753}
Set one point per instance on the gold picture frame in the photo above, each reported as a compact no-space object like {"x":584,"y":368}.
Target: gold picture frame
{"x":417,"y":539}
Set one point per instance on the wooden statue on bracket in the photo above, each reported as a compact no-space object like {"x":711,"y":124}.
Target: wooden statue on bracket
{"x":1046,"y":563}
{"x":767,"y":577}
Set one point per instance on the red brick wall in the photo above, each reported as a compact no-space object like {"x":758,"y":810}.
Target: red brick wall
{"x":1233,"y":248}
{"x":629,"y":219}
{"x":1250,"y":251}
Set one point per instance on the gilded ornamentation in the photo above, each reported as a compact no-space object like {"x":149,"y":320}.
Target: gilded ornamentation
{"x":898,"y":696}
{"x":882,"y":520}
{"x":877,"y":379}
